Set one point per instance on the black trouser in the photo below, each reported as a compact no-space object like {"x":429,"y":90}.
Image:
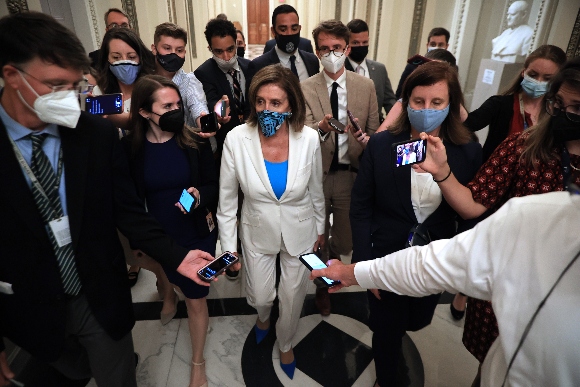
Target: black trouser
{"x":390,"y":318}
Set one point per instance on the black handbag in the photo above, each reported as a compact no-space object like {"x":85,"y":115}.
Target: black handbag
{"x":418,"y":236}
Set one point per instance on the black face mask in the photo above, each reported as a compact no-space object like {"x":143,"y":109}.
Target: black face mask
{"x":563,"y":129}
{"x":170,"y":62}
{"x":241,"y":51}
{"x":172,"y":121}
{"x":358,"y":53}
{"x":288,"y":43}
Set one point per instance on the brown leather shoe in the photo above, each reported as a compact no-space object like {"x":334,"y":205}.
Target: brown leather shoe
{"x":322,"y":301}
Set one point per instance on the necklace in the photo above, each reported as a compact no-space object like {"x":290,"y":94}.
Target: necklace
{"x":574,"y":168}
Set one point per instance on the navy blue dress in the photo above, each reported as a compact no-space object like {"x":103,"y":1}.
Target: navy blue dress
{"x":166,"y":173}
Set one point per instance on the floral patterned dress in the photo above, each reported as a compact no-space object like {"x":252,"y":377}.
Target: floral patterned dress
{"x":501,"y":178}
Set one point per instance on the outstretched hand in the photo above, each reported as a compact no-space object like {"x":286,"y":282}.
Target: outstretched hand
{"x":336,"y":271}
{"x":436,"y":159}
{"x":192,"y":263}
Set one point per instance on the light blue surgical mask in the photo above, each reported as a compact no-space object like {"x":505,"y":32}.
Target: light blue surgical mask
{"x":126,"y":71}
{"x":533,"y":88}
{"x":426,"y":120}
{"x":270,"y":121}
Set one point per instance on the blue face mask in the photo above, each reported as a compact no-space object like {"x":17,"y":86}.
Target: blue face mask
{"x":426,"y":120}
{"x":126,"y":71}
{"x":270,"y":121}
{"x":533,"y":88}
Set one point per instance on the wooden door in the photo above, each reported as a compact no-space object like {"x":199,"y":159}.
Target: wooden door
{"x":258,"y":21}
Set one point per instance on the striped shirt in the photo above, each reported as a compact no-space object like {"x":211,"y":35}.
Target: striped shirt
{"x":192,"y":94}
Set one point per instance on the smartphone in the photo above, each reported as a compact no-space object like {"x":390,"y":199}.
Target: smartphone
{"x":409,"y":152}
{"x":352,"y":121}
{"x":209,"y":123}
{"x":103,"y":104}
{"x":337,"y":125}
{"x":311,"y":261}
{"x":418,"y":60}
{"x":221,"y":108}
{"x":186,"y":200}
{"x":217,"y":266}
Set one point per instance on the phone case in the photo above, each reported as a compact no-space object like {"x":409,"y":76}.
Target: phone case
{"x":219,"y":271}
{"x":336,"y":124}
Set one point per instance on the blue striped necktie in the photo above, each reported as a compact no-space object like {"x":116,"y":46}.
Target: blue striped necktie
{"x":50,"y":208}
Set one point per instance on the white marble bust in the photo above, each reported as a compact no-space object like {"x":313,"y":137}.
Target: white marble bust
{"x":513,"y":44}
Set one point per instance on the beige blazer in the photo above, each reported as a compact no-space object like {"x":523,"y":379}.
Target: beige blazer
{"x":361,"y":100}
{"x":298,"y":216}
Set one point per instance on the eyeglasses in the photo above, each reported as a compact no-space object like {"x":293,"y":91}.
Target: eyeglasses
{"x":554,"y":108}
{"x":83,"y":87}
{"x":115,"y":25}
{"x":217,"y":51}
{"x":337,"y":52}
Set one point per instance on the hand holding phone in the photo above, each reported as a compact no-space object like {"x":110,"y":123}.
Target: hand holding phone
{"x":216,"y":267}
{"x":103,"y":104}
{"x":186,"y":200}
{"x":336,"y":125}
{"x":408,"y":152}
{"x":312,"y":262}
{"x":355,"y":124}
{"x":209,"y":123}
{"x":221,"y":107}
{"x":418,"y":60}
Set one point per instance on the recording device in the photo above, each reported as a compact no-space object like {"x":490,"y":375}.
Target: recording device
{"x":353,"y":122}
{"x":217,"y":266}
{"x":418,"y":60}
{"x":221,"y":108}
{"x":312,"y":262}
{"x":103,"y":104}
{"x":337,"y":125}
{"x":408,"y":152}
{"x":209,"y":123}
{"x":186,"y":200}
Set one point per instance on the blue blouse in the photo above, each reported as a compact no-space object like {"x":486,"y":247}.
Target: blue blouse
{"x":278,"y":175}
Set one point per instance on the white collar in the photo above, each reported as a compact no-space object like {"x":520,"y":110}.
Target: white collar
{"x":341,"y":80}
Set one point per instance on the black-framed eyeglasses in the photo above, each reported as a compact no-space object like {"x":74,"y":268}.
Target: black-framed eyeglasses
{"x":337,"y":52}
{"x":116,"y":25}
{"x":554,"y":108}
{"x":83,"y":87}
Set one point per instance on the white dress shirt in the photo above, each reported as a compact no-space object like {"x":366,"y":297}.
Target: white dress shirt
{"x":425,"y":195}
{"x":342,"y":116}
{"x":363,"y":65}
{"x":241,"y":80}
{"x":512,"y":258}
{"x":285,"y":61}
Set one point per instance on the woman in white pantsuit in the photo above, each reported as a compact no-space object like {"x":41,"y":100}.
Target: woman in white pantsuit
{"x":276,"y":161}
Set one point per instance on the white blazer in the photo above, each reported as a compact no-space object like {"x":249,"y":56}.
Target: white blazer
{"x":298,"y":217}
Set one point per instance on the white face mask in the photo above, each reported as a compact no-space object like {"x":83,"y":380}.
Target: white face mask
{"x":59,"y":107}
{"x":333,"y":63}
{"x":226,"y":65}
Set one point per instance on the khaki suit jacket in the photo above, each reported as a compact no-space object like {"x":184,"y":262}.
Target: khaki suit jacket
{"x":361,"y":101}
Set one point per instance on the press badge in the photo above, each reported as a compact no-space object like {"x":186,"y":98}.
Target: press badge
{"x":61,"y":231}
{"x":210,"y":223}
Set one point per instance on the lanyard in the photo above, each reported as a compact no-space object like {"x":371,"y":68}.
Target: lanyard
{"x":566,"y":169}
{"x":522,"y":112}
{"x":29,"y":172}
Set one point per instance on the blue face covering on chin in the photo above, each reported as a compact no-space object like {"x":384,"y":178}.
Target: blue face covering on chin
{"x":126,"y":71}
{"x":270,"y":121}
{"x":426,"y":120}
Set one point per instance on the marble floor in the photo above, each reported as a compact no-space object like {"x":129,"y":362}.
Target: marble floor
{"x":330,"y":351}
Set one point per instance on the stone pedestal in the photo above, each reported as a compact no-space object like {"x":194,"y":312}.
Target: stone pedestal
{"x":493,"y":78}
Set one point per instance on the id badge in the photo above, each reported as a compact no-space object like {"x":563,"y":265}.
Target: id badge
{"x":209,"y":220}
{"x":61,"y":231}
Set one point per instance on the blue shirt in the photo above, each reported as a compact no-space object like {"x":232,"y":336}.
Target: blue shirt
{"x":278,"y":175}
{"x":50,"y":146}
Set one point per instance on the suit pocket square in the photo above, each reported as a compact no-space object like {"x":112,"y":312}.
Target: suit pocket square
{"x":6,"y":288}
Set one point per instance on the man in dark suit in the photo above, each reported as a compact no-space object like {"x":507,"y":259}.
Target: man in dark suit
{"x":377,"y":72}
{"x":304,"y":45}
{"x":114,"y":18}
{"x":64,"y":295}
{"x":224,"y":74}
{"x":286,"y":30}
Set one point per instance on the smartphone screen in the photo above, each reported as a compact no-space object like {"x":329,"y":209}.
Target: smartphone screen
{"x":221,"y":108}
{"x":104,"y":104}
{"x":409,"y":152}
{"x":336,"y":124}
{"x":312,"y":262}
{"x":224,"y":109}
{"x":209,"y":123}
{"x":217,"y":266}
{"x":418,"y":60}
{"x":352,"y":121}
{"x":186,"y":200}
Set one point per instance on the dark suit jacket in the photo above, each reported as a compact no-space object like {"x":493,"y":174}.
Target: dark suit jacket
{"x":94,"y":57}
{"x":378,"y":73}
{"x":203,"y":176}
{"x":271,"y":57}
{"x":381,"y":213}
{"x":101,"y":197}
{"x":304,"y":45}
{"x":215,"y":85}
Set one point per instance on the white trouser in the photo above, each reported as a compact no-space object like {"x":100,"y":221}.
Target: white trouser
{"x":261,"y":289}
